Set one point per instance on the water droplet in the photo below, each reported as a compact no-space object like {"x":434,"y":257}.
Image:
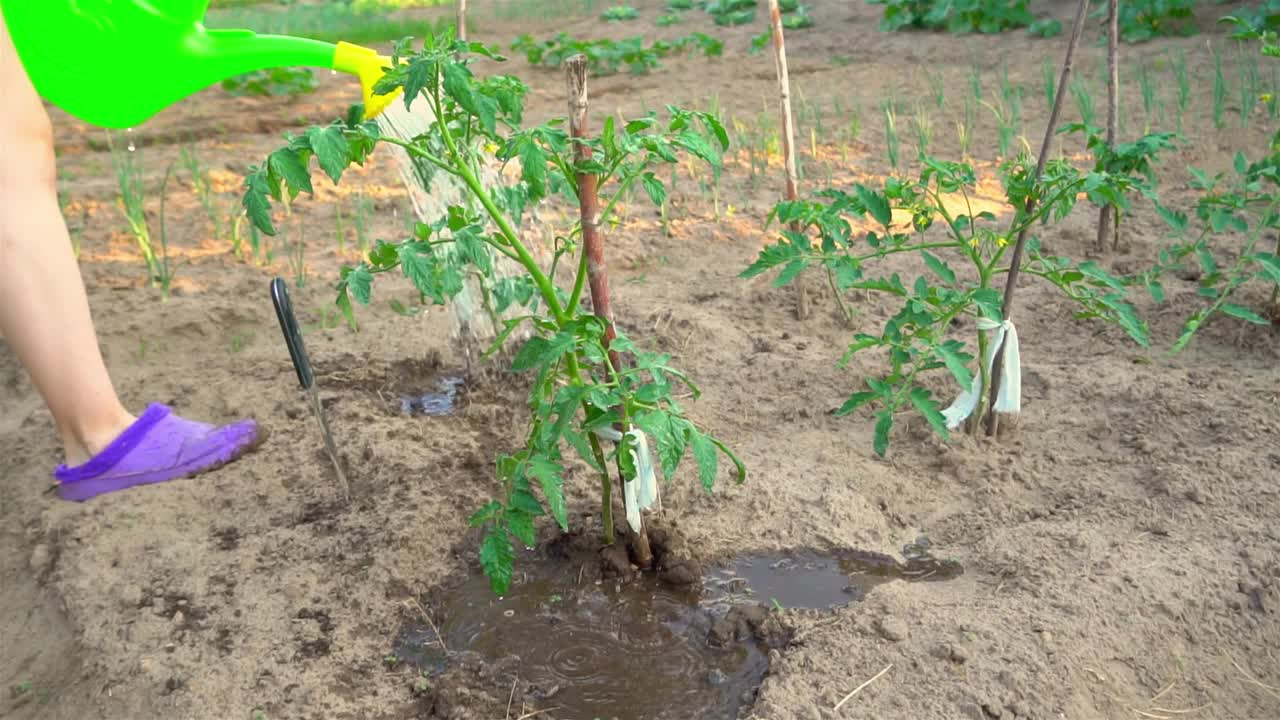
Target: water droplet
{"x":508,"y":613}
{"x":132,"y":147}
{"x":333,"y":72}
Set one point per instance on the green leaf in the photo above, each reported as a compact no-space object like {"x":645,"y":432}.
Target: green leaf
{"x":509,"y":326}
{"x":1243,"y":313}
{"x":939,"y":268}
{"x":331,"y":149}
{"x":1270,"y":265}
{"x":671,"y":435}
{"x":485,"y":514}
{"x":704,"y":452}
{"x":498,"y":557}
{"x":533,"y":165}
{"x":957,"y":362}
{"x":288,"y":165}
{"x":1156,"y":289}
{"x":922,"y":399}
{"x":770,"y":257}
{"x":419,"y":74}
{"x":360,"y":280}
{"x":877,"y":205}
{"x":550,"y":476}
{"x":539,"y":351}
{"x":256,"y":204}
{"x":789,"y":273}
{"x":654,"y":188}
{"x":417,"y":267}
{"x":884,"y":423}
{"x":520,"y":524}
{"x":344,"y":304}
{"x":739,"y":467}
{"x":1207,"y":263}
{"x":856,"y":401}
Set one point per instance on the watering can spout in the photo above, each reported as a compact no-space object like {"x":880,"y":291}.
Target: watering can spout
{"x":117,"y":63}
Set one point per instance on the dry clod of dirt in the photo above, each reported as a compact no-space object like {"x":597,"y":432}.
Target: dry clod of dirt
{"x":891,"y":628}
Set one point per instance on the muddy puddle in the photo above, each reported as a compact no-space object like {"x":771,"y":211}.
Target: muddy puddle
{"x":644,"y":650}
{"x":607,"y":650}
{"x":821,"y":580}
{"x":440,"y":400}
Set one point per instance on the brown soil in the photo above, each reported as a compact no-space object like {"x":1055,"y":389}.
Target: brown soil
{"x":1120,"y":548}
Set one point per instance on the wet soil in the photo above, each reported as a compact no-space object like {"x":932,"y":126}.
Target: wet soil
{"x":1120,"y":552}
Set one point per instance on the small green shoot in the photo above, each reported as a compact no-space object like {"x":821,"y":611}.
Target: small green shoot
{"x":132,"y":200}
{"x":890,"y":133}
{"x":1049,"y":81}
{"x":938,"y":88}
{"x":923,"y":125}
{"x":204,"y":189}
{"x":1183,"y":79}
{"x":1084,"y":101}
{"x":1219,"y":90}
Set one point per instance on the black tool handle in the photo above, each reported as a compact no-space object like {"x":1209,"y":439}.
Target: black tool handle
{"x":292,"y":336}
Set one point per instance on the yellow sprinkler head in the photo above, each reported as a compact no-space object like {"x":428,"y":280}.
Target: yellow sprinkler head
{"x":369,"y":66}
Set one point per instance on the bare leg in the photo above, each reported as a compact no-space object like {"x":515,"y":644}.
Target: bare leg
{"x":44,"y":312}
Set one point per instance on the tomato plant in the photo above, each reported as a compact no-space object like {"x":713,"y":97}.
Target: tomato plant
{"x":578,"y":393}
{"x":932,"y":218}
{"x":1244,"y":203}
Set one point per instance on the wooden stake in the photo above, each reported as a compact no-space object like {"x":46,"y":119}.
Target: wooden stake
{"x":1113,"y":111}
{"x":575,"y":71}
{"x":1015,"y":263}
{"x":462,"y":20}
{"x":788,"y":139}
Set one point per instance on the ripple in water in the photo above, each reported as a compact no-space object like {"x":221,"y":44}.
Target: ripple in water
{"x":641,"y":651}
{"x":635,"y":652}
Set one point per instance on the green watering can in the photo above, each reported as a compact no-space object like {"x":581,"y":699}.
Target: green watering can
{"x":116,"y":63}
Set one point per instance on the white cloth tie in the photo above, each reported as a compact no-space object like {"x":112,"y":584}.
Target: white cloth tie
{"x":641,"y":492}
{"x":1009,"y":401}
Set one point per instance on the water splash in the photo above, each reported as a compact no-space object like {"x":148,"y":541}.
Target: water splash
{"x":432,"y":192}
{"x":129,"y":134}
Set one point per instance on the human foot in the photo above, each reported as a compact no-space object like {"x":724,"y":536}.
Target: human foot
{"x":160,"y":446}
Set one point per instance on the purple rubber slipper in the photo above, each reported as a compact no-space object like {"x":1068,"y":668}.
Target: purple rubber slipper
{"x":159,"y":446}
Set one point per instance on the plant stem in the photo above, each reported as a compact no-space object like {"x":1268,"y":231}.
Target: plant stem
{"x":1113,"y":108}
{"x":997,"y":365}
{"x":606,"y":489}
{"x":462,"y":20}
{"x":788,"y":139}
{"x":845,"y":313}
{"x":598,"y":279}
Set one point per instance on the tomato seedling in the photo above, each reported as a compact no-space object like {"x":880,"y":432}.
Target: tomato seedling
{"x":932,"y":217}
{"x":578,"y":393}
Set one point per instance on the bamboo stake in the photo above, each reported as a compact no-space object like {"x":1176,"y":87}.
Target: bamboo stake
{"x":1015,"y":263}
{"x":788,"y":139}
{"x":462,"y":20}
{"x":1113,"y":112}
{"x":592,"y":243}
